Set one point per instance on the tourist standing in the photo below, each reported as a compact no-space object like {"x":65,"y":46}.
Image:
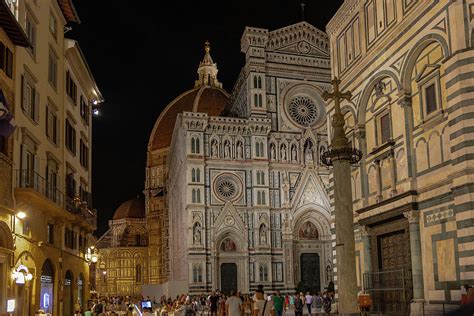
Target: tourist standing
{"x":262,"y":306}
{"x":213,"y":302}
{"x":298,"y":302}
{"x":233,"y":305}
{"x":309,"y":301}
{"x":278,"y":302}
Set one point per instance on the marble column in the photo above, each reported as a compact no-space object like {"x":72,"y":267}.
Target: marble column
{"x":415,"y":250}
{"x":379,"y":196}
{"x":341,"y":155}
{"x":365,"y":235}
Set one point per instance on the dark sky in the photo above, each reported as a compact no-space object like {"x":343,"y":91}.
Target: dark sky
{"x":145,"y":53}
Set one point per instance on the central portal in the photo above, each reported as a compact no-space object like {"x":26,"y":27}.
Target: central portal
{"x":228,"y":277}
{"x":310,"y":272}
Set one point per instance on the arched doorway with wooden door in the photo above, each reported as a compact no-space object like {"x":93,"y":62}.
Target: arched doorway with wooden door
{"x":6,"y":250}
{"x":47,"y":287}
{"x":68,"y":298}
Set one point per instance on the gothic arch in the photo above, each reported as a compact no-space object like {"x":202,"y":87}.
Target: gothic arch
{"x":237,"y":238}
{"x":413,"y":56}
{"x":314,"y":213}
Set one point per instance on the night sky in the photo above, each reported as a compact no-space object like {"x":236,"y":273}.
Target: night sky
{"x":145,"y":53}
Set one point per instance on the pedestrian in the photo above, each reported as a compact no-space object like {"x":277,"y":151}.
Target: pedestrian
{"x":278,"y":303}
{"x":327,"y":301}
{"x":317,"y":303}
{"x":233,"y":305}
{"x":292,"y":301}
{"x":262,"y":306}
{"x":309,"y":301}
{"x":213,"y":302}
{"x":298,"y":302}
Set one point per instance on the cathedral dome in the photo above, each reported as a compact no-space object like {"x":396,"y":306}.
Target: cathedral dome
{"x":134,"y":208}
{"x":207,"y":96}
{"x":204,"y":99}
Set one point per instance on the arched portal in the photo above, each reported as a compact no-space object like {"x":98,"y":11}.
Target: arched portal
{"x":68,"y":300}
{"x":47,"y":287}
{"x":6,"y":247}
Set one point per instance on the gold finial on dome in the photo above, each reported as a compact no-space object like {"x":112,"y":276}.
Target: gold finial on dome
{"x":207,"y":70}
{"x":207,"y":47}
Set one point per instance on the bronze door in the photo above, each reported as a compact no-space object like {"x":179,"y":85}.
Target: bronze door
{"x":228,"y":278}
{"x":310,"y":272}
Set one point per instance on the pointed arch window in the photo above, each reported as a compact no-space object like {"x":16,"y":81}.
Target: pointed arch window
{"x":263,"y":273}
{"x":255,"y":81}
{"x":195,"y":175}
{"x":138,"y":273}
{"x":195,"y":146}
{"x":260,"y":102}
{"x":259,"y":82}
{"x":259,"y":149}
{"x":196,"y":196}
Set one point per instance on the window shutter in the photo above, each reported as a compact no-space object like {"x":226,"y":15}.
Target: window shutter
{"x":36,"y":105}
{"x":47,"y":122}
{"x":23,"y":93}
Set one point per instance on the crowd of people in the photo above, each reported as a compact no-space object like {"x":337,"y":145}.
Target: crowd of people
{"x":217,"y":304}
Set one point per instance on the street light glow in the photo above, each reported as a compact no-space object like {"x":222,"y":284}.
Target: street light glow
{"x":21,"y":215}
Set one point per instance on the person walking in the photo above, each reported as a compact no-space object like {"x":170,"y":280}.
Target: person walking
{"x":262,"y":306}
{"x":298,"y":303}
{"x":309,"y":301}
{"x":278,"y":303}
{"x":233,"y":305}
{"x":213,"y":302}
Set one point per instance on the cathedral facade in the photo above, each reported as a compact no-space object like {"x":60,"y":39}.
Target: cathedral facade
{"x":236,"y":193}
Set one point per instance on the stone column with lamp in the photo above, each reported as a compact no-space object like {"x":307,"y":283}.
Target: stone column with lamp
{"x":340,"y":156}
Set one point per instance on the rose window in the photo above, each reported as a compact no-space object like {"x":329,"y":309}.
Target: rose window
{"x":227,"y":187}
{"x":303,"y":111}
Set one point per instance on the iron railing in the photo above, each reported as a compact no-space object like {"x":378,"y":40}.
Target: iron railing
{"x":391,"y":291}
{"x":30,"y":179}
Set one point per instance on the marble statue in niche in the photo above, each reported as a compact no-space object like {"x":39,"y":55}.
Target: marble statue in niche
{"x":283,"y":152}
{"x":272,"y":152}
{"x":294,"y":154}
{"x":286,"y":190}
{"x":240,"y":150}
{"x":226,"y":149}
{"x":308,"y":152}
{"x":197,"y":234}
{"x":214,"y":148}
{"x":263,"y":234}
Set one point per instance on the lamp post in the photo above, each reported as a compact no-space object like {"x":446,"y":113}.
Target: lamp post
{"x":92,"y":257}
{"x":341,"y":156}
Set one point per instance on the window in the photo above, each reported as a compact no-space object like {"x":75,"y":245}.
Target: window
{"x":263,"y":273}
{"x":196,"y":175}
{"x":51,"y":125}
{"x":259,"y":149}
{"x":26,"y":227}
{"x":277,"y":271}
{"x":196,"y":196}
{"x":84,"y":109}
{"x":70,"y":184}
{"x":71,"y":88}
{"x":30,"y":30}
{"x":255,"y":85}
{"x":6,"y":60}
{"x":195,"y":146}
{"x":138,"y":273}
{"x":261,"y":200}
{"x":431,"y":101}
{"x":70,"y":137}
{"x":52,"y":180}
{"x":68,"y":238}
{"x":53,"y":25}
{"x":50,"y":232}
{"x":83,"y":192}
{"x":260,"y":178}
{"x":83,"y":154}
{"x":197,"y":273}
{"x":384,"y":128}
{"x":3,"y":145}
{"x":52,"y":69}
{"x":259,"y":82}
{"x":29,"y":98}
{"x":258,"y":100}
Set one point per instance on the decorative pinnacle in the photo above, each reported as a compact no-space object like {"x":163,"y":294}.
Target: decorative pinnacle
{"x":207,"y":47}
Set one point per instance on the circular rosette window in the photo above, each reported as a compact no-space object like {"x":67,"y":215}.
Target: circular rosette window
{"x":303,"y":110}
{"x":227,"y":187}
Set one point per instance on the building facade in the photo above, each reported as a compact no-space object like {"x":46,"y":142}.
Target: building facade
{"x":236,"y":194}
{"x":409,"y":67}
{"x":11,"y":36}
{"x":51,"y":220}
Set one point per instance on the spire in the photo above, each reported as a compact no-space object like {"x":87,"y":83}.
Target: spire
{"x":207,"y":70}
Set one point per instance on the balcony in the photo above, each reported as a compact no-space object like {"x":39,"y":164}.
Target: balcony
{"x":33,"y":188}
